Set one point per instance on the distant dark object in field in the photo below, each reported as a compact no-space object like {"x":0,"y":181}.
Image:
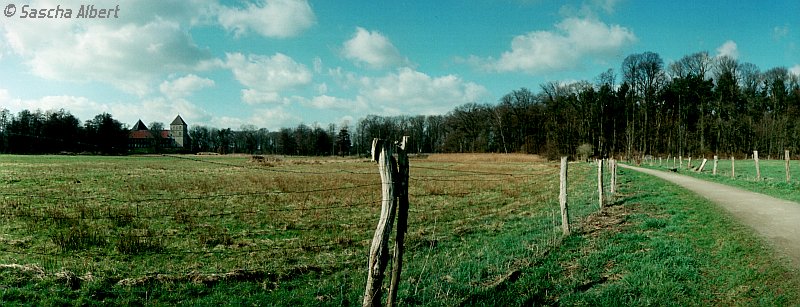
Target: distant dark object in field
{"x":674,"y":169}
{"x":270,"y":161}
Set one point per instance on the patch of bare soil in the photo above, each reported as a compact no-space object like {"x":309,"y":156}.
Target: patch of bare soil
{"x":607,"y":220}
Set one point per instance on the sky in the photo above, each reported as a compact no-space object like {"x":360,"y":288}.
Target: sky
{"x":281,"y":63}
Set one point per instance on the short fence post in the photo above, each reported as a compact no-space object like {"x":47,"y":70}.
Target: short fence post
{"x":600,"y":182}
{"x":680,"y":161}
{"x":733,"y":167}
{"x":689,"y":164}
{"x":758,"y":168}
{"x":702,"y":165}
{"x":562,"y":197}
{"x":716,"y":159}
{"x":786,"y":157}
{"x":394,"y":188}
{"x":612,"y":163}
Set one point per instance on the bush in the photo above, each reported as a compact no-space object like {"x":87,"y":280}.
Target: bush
{"x":585,"y":151}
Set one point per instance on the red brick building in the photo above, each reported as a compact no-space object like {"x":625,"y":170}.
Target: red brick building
{"x":140,"y":138}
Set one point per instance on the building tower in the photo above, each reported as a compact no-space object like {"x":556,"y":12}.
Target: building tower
{"x":179,"y":132}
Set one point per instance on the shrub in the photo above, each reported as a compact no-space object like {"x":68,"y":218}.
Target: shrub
{"x":585,"y":151}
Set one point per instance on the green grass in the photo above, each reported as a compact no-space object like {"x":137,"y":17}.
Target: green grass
{"x":226,"y":231}
{"x":163,"y":230}
{"x":773,"y":176}
{"x":657,"y":246}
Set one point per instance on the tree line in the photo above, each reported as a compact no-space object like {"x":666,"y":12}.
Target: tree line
{"x":698,"y":105}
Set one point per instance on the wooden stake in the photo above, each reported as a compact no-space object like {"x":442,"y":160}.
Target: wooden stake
{"x":402,"y":221}
{"x":716,"y":159}
{"x":680,"y":159}
{"x":702,"y":165}
{"x":562,"y":197}
{"x":379,"y":250}
{"x":600,"y":182}
{"x":613,"y":164}
{"x":758,"y":168}
{"x":786,"y":157}
{"x":733,"y":168}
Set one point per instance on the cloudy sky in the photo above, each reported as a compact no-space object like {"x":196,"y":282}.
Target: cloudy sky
{"x":279,"y":63}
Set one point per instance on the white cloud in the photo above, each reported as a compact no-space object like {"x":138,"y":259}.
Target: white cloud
{"x":607,"y":5}
{"x":129,"y":56}
{"x":411,"y":92}
{"x":729,"y":49}
{"x":326,"y":102}
{"x":780,"y":32}
{"x":272,"y":18}
{"x":373,"y":49}
{"x":271,"y":118}
{"x":267,"y":76}
{"x":574,"y":40}
{"x":184,"y":86}
{"x":795,"y":70}
{"x":157,"y":109}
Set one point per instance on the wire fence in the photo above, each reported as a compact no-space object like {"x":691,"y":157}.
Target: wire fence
{"x":320,"y":226}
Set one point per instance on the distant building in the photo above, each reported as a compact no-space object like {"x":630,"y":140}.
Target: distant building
{"x":142,"y":139}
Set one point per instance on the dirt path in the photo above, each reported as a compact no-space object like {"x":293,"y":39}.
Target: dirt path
{"x":777,"y":220}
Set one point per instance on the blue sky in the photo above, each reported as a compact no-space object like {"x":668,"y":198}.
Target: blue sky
{"x":279,"y":63}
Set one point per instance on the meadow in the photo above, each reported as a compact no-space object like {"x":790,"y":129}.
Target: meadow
{"x":483,"y":230}
{"x":772,"y":182}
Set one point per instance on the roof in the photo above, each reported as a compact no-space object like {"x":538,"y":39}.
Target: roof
{"x":139,"y":126}
{"x":178,"y":121}
{"x":140,"y":134}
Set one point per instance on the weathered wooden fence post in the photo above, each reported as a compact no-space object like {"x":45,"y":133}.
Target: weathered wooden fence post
{"x":716,"y":160}
{"x":402,"y":221}
{"x":600,"y":182}
{"x":562,"y":197}
{"x":613,"y":166}
{"x":702,"y":165}
{"x":394,"y":189}
{"x":758,"y":168}
{"x":733,"y":167}
{"x":680,"y":161}
{"x":786,"y":157}
{"x":689,"y":164}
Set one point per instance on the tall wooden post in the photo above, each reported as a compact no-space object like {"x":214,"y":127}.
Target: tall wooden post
{"x":733,"y":167}
{"x":716,"y":160}
{"x":613,"y":165}
{"x":786,"y":157}
{"x":680,"y":161}
{"x":600,"y":182}
{"x":402,"y":221}
{"x":394,"y":189}
{"x":758,"y":168}
{"x":689,"y":164}
{"x":562,"y":197}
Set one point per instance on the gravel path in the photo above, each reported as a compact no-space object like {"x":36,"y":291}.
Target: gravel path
{"x":775,"y":219}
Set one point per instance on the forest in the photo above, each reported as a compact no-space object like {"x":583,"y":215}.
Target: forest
{"x":698,"y":105}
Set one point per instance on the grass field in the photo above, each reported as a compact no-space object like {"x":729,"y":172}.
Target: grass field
{"x":200,"y":230}
{"x":773,"y":175}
